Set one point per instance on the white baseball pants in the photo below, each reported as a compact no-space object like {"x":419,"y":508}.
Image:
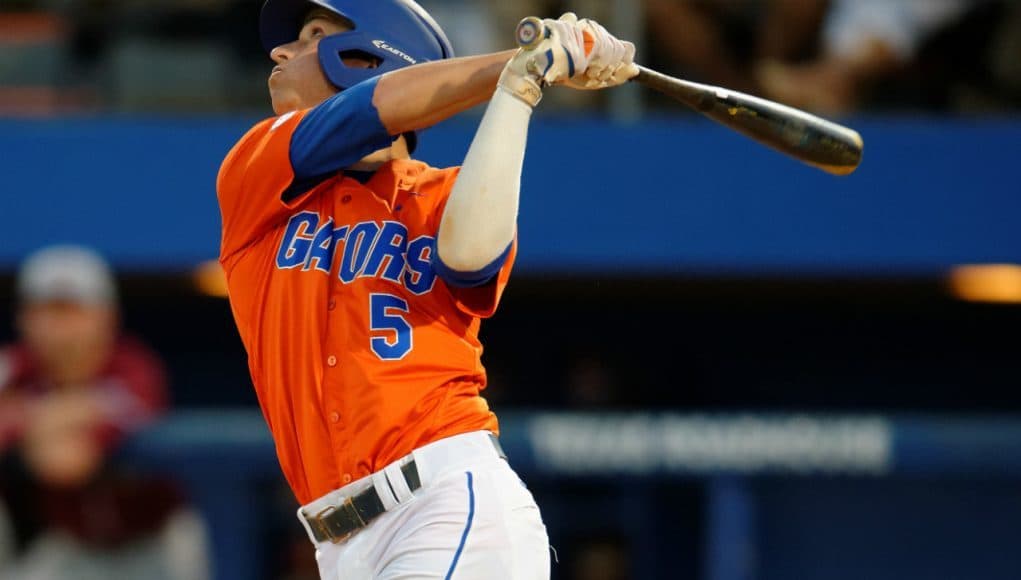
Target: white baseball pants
{"x":472,"y":519}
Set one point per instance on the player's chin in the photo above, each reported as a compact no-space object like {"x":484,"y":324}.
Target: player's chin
{"x":283,"y":101}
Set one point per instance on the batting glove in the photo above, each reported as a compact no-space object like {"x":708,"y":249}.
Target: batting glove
{"x":611,"y":61}
{"x":559,"y":57}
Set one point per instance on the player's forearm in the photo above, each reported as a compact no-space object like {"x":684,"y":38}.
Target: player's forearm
{"x":420,"y":96}
{"x":480,"y":217}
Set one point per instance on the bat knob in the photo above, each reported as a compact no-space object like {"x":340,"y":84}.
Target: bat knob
{"x":530,"y":33}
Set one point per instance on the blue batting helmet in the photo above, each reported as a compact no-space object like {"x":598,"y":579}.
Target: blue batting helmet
{"x":398,"y":33}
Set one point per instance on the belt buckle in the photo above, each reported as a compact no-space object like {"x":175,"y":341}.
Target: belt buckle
{"x":319,"y":523}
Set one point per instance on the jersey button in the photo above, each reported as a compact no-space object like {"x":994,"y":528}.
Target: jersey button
{"x":347,"y":478}
{"x":331,"y":304}
{"x":334,"y":417}
{"x":331,"y":360}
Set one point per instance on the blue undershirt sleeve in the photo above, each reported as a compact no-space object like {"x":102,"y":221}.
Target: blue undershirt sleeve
{"x":334,"y":135}
{"x":475,"y":279}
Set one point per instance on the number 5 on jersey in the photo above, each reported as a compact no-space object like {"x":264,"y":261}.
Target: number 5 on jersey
{"x":386,"y":316}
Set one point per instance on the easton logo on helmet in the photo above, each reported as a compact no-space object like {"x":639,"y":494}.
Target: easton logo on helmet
{"x":383,"y":45}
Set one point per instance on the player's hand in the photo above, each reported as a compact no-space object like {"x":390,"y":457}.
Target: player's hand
{"x":611,"y":61}
{"x":570,"y":47}
{"x":559,"y":57}
{"x":60,"y":445}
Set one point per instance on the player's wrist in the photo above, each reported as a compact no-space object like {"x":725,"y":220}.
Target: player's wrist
{"x":515,"y":80}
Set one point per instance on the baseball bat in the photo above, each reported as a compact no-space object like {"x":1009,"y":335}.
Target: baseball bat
{"x":831,"y":147}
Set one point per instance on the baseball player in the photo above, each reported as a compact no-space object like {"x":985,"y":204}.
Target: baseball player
{"x":358,"y":278}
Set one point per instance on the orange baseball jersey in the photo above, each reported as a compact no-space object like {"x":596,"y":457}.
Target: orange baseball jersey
{"x":358,"y":350}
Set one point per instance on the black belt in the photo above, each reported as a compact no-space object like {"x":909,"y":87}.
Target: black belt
{"x":337,"y":523}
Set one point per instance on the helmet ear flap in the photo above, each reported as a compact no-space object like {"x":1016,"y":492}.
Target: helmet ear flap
{"x":362,"y":55}
{"x":334,"y":48}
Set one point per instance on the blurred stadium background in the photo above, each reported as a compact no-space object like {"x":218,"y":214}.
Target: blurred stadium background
{"x":712,"y":363}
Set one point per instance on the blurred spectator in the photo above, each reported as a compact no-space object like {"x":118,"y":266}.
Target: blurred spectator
{"x":915,"y":51}
{"x":70,"y":391}
{"x":838,"y":56}
{"x":717,"y":41}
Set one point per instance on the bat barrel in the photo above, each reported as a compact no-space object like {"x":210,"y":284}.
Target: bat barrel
{"x":831,"y":147}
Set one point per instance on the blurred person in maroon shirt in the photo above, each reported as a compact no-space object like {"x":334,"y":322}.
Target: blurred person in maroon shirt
{"x":70,"y":391}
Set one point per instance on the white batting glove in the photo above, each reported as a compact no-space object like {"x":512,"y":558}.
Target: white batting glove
{"x":611,"y":61}
{"x":558,"y":58}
